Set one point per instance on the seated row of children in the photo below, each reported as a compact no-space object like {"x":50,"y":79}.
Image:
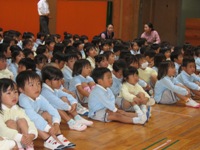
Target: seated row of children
{"x":116,"y":84}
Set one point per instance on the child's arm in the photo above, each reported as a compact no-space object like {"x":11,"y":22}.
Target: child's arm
{"x":126,"y":94}
{"x":188,"y":83}
{"x":172,"y":87}
{"x":70,"y":98}
{"x":82,"y":91}
{"x":38,"y":120}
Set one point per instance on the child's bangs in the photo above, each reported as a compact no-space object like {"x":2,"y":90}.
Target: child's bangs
{"x":5,"y":84}
{"x":171,"y":64}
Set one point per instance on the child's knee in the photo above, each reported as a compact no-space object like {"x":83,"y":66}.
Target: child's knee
{"x":11,"y":124}
{"x":140,"y":95}
{"x":21,"y":121}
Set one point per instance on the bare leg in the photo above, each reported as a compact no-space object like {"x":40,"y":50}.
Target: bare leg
{"x":181,"y":97}
{"x":47,"y":117}
{"x":115,"y":116}
{"x":128,"y":114}
{"x":43,"y":135}
{"x":142,"y":96}
{"x":22,"y":126}
{"x":64,"y":115}
{"x":12,"y":124}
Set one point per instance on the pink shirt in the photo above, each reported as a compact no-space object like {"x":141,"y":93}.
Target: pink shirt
{"x":153,"y":37}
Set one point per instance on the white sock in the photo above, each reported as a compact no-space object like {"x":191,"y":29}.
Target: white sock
{"x":143,"y":108}
{"x":138,"y":110}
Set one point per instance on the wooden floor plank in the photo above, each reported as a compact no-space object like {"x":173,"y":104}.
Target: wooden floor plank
{"x":173,"y":122}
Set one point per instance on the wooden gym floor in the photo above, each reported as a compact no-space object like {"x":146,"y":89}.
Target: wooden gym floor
{"x":171,"y":127}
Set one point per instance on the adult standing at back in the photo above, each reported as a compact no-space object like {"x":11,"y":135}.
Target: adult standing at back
{"x":109,"y":33}
{"x":43,"y":11}
{"x":150,"y":34}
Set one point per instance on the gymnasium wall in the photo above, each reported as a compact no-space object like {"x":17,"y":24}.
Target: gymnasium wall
{"x":74,"y":16}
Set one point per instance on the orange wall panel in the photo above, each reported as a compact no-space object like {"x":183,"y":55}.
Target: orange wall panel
{"x":81,"y":17}
{"x":19,"y":15}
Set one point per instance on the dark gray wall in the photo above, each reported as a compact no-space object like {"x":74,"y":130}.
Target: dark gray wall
{"x":189,"y":9}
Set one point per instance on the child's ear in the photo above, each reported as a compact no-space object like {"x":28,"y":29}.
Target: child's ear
{"x":20,"y":90}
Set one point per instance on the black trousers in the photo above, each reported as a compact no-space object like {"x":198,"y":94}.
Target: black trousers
{"x":44,"y":23}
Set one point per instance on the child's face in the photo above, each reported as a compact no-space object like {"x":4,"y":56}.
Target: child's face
{"x":190,"y":68}
{"x":111,"y":59}
{"x":179,"y":60}
{"x":103,"y":63}
{"x":10,"y":97}
{"x":118,"y":74}
{"x":135,"y":46}
{"x":3,"y":64}
{"x":70,"y":63}
{"x":42,"y":64}
{"x":171,"y":71}
{"x":134,"y":64}
{"x":19,"y":57}
{"x":51,"y":46}
{"x":86,"y":71}
{"x":32,"y":88}
{"x":61,"y":64}
{"x":80,"y":47}
{"x":167,"y":54}
{"x":55,"y":84}
{"x":21,"y":68}
{"x":31,"y":56}
{"x":150,"y":61}
{"x":92,"y":52}
{"x":29,"y":45}
{"x":133,"y":79}
{"x":46,"y":53}
{"x":8,"y":53}
{"x":142,"y":61}
{"x":106,"y":81}
{"x":106,"y":47}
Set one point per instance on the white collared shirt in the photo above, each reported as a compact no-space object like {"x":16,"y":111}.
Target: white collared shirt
{"x":43,"y":7}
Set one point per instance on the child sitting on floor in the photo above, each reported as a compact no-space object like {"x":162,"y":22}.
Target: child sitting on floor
{"x":102,"y":101}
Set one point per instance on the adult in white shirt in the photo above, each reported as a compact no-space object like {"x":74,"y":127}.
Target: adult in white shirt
{"x":43,"y":11}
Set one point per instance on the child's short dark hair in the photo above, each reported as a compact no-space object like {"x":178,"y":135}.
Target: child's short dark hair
{"x":158,"y":59}
{"x":175,"y":54}
{"x":83,"y":38}
{"x":99,"y":58}
{"x":88,"y":47}
{"x":51,"y":73}
{"x":41,"y":49}
{"x":27,"y":52}
{"x":118,"y":47}
{"x":130,"y":59}
{"x":108,"y":53}
{"x":119,"y":65}
{"x":197,"y":51}
{"x":28,"y":63}
{"x":40,"y":34}
{"x":150,"y":54}
{"x":58,"y":56}
{"x":98,"y":73}
{"x":4,"y":47}
{"x":124,"y":54}
{"x":2,"y":56}
{"x":25,"y":76}
{"x":15,"y":53}
{"x":163,"y":68}
{"x":39,"y":59}
{"x":59,"y":47}
{"x":129,"y":71}
{"x":78,"y":66}
{"x":165,"y":49}
{"x":77,"y":43}
{"x":71,"y":56}
{"x":155,"y":46}
{"x":186,"y":61}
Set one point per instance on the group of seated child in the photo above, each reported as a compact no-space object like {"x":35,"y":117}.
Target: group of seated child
{"x":49,"y":80}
